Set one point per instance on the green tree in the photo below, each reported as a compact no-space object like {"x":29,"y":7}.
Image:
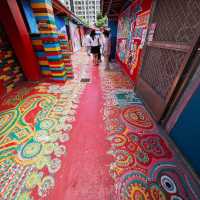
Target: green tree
{"x":101,"y":20}
{"x":84,"y":20}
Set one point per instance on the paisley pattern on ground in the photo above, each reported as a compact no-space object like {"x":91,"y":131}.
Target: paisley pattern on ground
{"x":145,"y":163}
{"x":35,"y":124}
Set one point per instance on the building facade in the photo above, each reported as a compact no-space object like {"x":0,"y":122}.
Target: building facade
{"x":67,"y":3}
{"x":85,"y":9}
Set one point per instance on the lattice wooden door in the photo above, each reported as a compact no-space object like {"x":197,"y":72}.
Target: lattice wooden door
{"x":168,"y":54}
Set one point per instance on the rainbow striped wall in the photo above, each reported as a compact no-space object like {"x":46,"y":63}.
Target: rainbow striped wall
{"x":66,"y":52}
{"x":43,"y":12}
{"x":10,"y":70}
{"x":41,"y":55}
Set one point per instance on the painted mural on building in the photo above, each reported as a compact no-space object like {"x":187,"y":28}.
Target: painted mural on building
{"x":75,"y":36}
{"x":132,"y":32}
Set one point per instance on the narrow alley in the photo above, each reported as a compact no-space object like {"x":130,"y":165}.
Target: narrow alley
{"x":99,"y":100}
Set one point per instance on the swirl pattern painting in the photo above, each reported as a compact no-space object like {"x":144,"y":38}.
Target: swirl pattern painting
{"x":145,"y":163}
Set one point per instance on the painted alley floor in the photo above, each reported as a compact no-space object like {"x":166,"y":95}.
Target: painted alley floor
{"x":87,"y":141}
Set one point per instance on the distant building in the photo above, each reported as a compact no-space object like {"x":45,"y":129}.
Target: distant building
{"x":67,"y":3}
{"x":85,"y":9}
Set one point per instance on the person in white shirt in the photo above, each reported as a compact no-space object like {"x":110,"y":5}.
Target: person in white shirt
{"x":87,"y":44}
{"x":106,"y":48}
{"x":94,"y":41}
{"x":100,"y":35}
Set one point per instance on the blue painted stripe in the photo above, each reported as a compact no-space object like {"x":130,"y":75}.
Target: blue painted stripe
{"x":57,"y":69}
{"x":52,"y":35}
{"x":42,"y":1}
{"x":44,"y":67}
{"x":59,"y":78}
{"x":54,"y":57}
{"x":38,"y":18}
{"x":52,"y":45}
{"x":40,"y":54}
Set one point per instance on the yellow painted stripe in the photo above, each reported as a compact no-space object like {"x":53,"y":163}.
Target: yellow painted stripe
{"x":52,"y":26}
{"x":37,"y":42}
{"x":43,"y":14}
{"x":45,"y":32}
{"x":60,"y":74}
{"x":56,"y":66}
{"x":48,"y":32}
{"x":41,"y":5}
{"x":52,"y":32}
{"x":48,"y":29}
{"x":46,"y":72}
{"x":43,"y":62}
{"x":46,"y":25}
{"x":53,"y":49}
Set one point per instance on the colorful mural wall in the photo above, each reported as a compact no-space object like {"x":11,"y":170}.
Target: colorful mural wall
{"x":66,"y":53}
{"x":132,"y":32}
{"x":75,"y":36}
{"x":82,"y":34}
{"x":45,"y":19}
{"x":65,"y":45}
{"x":41,"y":54}
{"x":10,"y":70}
{"x":52,"y":48}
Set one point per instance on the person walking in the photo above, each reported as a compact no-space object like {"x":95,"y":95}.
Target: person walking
{"x":87,"y":44}
{"x":94,"y":41}
{"x":106,"y":48}
{"x":100,"y":46}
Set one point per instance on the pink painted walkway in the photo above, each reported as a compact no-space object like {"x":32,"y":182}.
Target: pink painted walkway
{"x":85,"y":175}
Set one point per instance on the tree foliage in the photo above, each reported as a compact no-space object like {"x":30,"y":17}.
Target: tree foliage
{"x":101,"y":20}
{"x":84,"y":20}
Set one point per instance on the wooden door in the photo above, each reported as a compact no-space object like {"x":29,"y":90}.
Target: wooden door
{"x":168,"y":55}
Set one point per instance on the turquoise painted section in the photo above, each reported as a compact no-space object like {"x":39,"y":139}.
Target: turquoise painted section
{"x":30,"y":16}
{"x":112,"y":24}
{"x":186,"y":132}
{"x":60,"y":24}
{"x":42,"y":1}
